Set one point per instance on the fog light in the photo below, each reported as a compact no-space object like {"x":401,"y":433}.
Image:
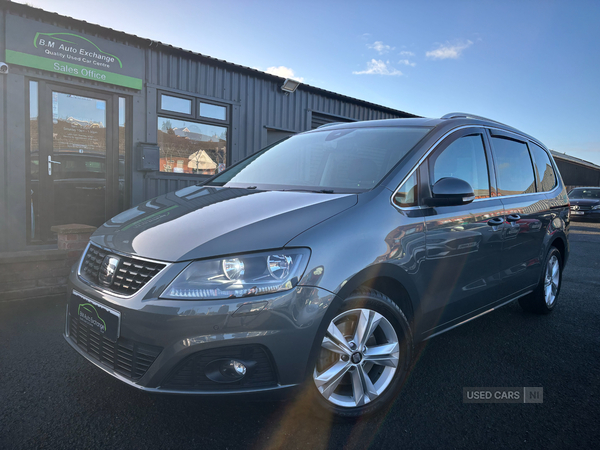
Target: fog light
{"x":233,"y":369}
{"x":228,"y":370}
{"x":239,"y":368}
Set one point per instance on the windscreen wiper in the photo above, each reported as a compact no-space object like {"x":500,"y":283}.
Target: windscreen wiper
{"x":319,"y":191}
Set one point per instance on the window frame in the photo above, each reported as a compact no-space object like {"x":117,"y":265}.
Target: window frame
{"x":422,"y":166}
{"x":194,"y":117}
{"x":161,"y":111}
{"x":488,"y":131}
{"x":213,"y":103}
{"x":443,"y":145}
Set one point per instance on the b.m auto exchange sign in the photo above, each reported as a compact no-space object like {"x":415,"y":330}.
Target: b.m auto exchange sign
{"x":46,"y":47}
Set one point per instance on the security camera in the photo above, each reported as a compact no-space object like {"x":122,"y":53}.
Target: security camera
{"x":3,"y":68}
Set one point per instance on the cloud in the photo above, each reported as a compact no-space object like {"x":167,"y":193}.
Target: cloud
{"x":284,"y":72}
{"x":449,"y":51}
{"x":406,"y":53}
{"x":378,"y":67}
{"x":380,"y":47}
{"x":406,"y":62}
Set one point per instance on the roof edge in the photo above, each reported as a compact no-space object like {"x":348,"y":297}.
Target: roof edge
{"x":574,"y":160}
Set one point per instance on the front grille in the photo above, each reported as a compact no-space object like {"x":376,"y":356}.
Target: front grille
{"x":131,"y":275}
{"x":127,"y":358}
{"x":190,"y":374}
{"x":584,"y":208}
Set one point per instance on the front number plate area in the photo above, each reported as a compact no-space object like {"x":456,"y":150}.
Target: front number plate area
{"x":102,"y":319}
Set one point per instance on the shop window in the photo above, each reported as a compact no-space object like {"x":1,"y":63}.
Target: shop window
{"x":191,"y":147}
{"x":175,"y":104}
{"x":213,"y":111}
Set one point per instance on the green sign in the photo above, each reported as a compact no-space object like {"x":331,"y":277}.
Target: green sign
{"x":46,"y":47}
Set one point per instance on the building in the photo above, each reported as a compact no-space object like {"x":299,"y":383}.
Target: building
{"x":576,"y":172}
{"x":95,"y":120}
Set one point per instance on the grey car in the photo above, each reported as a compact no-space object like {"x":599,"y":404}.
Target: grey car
{"x":316,"y":265}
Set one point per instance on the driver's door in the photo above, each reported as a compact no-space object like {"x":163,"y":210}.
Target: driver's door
{"x":463,"y":243}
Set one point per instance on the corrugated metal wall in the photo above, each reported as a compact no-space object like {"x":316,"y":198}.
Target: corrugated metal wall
{"x":256,"y":104}
{"x":255,"y":101}
{"x":576,"y":174}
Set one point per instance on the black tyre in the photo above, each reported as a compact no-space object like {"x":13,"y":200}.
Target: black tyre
{"x":543,"y":299}
{"x":364,"y":357}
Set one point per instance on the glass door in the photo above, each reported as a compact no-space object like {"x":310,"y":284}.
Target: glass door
{"x":78,"y":162}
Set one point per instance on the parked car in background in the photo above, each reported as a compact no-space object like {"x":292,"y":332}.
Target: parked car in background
{"x":321,"y":261}
{"x":585,"y":203}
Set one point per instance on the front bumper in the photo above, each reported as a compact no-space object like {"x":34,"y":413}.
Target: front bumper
{"x":168,"y":336}
{"x":591,"y":214}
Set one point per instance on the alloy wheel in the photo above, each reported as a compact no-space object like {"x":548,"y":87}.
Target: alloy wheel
{"x":551,"y":280}
{"x":359,"y":358}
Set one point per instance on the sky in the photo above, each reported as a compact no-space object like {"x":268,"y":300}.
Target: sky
{"x":530,"y":64}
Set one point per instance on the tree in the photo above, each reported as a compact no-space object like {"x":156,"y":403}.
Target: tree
{"x":166,"y":125}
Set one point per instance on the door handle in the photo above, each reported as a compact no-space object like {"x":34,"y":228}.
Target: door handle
{"x":50,"y":162}
{"x":513,"y":218}
{"x":495,"y":222}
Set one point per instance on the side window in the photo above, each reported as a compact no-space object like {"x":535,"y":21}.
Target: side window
{"x":546,"y":176}
{"x":465,"y":159}
{"x":514,"y":170}
{"x":407,"y":193}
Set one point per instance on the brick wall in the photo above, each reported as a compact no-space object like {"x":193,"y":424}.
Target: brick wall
{"x":39,"y":273}
{"x":35,"y":273}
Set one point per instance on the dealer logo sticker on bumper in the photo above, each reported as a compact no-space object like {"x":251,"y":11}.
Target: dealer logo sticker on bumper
{"x":96,"y":316}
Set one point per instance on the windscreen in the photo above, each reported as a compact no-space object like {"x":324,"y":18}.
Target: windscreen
{"x":341,"y":160}
{"x":593,"y":194}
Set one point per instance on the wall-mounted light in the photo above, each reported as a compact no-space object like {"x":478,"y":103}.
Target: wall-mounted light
{"x":290,"y":85}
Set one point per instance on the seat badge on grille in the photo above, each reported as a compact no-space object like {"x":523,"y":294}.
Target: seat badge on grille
{"x":108,"y":269}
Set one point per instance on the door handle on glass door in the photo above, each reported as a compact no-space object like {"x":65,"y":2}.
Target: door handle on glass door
{"x":513,"y":218}
{"x":50,"y":162}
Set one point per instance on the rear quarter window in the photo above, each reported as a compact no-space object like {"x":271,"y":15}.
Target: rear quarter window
{"x":543,"y":165}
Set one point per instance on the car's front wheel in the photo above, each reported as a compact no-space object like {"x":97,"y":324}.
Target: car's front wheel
{"x":364,"y":356}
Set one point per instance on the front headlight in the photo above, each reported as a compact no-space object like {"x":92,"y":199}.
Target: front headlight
{"x":596,"y":207}
{"x":240,"y":276}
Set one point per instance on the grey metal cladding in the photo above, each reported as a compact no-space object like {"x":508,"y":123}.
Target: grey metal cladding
{"x":261,"y":101}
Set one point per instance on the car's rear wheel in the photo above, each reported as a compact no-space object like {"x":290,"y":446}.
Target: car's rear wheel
{"x":364,"y":356}
{"x":543,"y":299}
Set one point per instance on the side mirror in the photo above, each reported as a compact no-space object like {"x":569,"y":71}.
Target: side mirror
{"x":450,"y":192}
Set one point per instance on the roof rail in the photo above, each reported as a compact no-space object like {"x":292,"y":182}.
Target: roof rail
{"x":457,"y":115}
{"x":330,"y":124}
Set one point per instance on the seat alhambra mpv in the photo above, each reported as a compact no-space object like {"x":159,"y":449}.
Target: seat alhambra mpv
{"x":322,"y":260}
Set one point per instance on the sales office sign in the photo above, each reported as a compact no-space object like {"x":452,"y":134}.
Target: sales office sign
{"x":46,"y":47}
